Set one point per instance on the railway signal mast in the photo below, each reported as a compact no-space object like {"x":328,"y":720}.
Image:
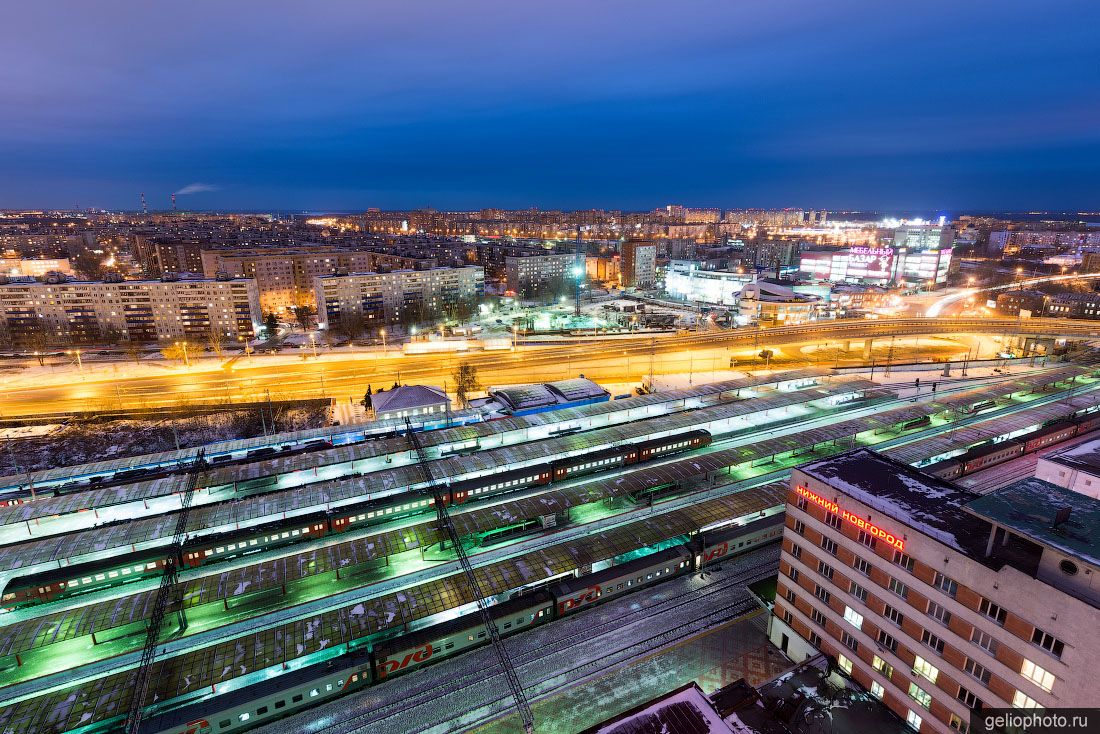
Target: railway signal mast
{"x":167,"y":592}
{"x":522,"y":705}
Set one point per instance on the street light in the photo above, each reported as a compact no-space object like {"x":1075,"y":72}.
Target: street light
{"x":383,"y":333}
{"x":183,"y":346}
{"x":79,"y":364}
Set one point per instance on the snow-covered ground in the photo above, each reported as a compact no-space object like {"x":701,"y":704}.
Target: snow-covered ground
{"x":467,"y":691}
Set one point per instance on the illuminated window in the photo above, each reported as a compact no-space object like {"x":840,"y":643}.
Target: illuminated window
{"x":882,"y":666}
{"x":877,"y":690}
{"x":1022,"y":701}
{"x":1040,"y":677}
{"x":925,"y":669}
{"x":913,"y":720}
{"x":844,"y":664}
{"x":853,"y":617}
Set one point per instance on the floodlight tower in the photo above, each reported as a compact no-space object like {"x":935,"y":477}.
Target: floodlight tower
{"x":578,"y":271}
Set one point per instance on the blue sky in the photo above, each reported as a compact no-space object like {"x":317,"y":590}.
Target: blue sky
{"x":892,"y":106}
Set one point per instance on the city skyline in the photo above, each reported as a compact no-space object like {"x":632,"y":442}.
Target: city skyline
{"x":621,"y":106}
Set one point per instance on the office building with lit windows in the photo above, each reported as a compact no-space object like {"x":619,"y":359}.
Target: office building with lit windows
{"x":937,"y":600}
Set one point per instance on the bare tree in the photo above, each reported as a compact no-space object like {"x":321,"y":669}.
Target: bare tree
{"x":304,"y":316}
{"x":176,"y":351}
{"x":215,"y":339}
{"x":349,"y":325}
{"x":133,"y":350}
{"x":466,"y":382}
{"x":38,"y":341}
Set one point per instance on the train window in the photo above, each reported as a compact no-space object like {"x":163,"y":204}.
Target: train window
{"x":224,"y":724}
{"x":280,"y":704}
{"x":126,"y":571}
{"x":86,"y":580}
{"x":370,"y":514}
{"x":74,"y":582}
{"x":220,"y":549}
{"x":297,"y":699}
{"x":208,"y":552}
{"x":112,"y":574}
{"x":448,"y":646}
{"x":100,"y":577}
{"x":470,"y":638}
{"x":244,"y":717}
{"x":619,"y":587}
{"x":261,"y":711}
{"x":480,"y":635}
{"x":507,"y":625}
{"x":295,"y":533}
{"x":314,"y":693}
{"x":648,"y":576}
{"x":328,"y":686}
{"x":253,"y":542}
{"x":541,"y":611}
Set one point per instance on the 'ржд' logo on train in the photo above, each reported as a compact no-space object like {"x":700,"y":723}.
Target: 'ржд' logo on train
{"x":389,"y":667}
{"x":589,"y":595}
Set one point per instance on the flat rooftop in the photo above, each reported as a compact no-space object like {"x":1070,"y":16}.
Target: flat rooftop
{"x":928,"y":505}
{"x":1032,"y":507}
{"x":1084,"y":455}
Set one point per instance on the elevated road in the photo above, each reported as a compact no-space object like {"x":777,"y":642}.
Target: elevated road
{"x":607,"y":359}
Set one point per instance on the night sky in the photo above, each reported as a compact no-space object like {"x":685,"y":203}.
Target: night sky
{"x":937,"y":106}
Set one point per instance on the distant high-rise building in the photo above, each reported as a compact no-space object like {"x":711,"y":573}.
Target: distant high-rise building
{"x":639,"y":264}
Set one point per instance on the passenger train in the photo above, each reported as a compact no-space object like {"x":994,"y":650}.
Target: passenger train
{"x":992,"y":454}
{"x":292,"y":691}
{"x":86,"y":577}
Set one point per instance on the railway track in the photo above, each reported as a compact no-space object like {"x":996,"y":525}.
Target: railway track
{"x":600,"y":623}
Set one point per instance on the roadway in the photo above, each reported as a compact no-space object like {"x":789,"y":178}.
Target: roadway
{"x":608,"y":360}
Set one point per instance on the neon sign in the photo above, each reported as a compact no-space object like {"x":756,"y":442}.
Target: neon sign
{"x":864,"y":525}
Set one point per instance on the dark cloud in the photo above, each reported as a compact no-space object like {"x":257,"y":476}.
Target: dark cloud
{"x":628,"y":104}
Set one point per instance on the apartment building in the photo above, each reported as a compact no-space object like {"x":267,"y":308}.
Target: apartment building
{"x":285,"y":275}
{"x":639,"y":264}
{"x":402,"y":296}
{"x":939,"y":601}
{"x":37,"y":314}
{"x":541,"y":277}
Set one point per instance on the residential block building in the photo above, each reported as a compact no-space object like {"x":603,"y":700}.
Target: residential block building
{"x":35,"y":314}
{"x":402,"y":296}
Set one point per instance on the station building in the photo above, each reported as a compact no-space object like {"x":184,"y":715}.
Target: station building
{"x":939,"y":601}
{"x":407,"y":401}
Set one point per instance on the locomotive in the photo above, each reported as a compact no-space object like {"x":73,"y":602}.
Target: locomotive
{"x":292,"y":691}
{"x":199,"y":551}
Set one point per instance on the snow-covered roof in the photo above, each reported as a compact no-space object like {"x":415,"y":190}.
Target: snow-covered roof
{"x":578,"y":388}
{"x":1030,"y":507}
{"x":913,"y":498}
{"x":407,"y":397}
{"x":1084,"y":455}
{"x":685,"y":710}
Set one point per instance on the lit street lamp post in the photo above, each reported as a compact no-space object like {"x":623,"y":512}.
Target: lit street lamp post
{"x":383,"y":333}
